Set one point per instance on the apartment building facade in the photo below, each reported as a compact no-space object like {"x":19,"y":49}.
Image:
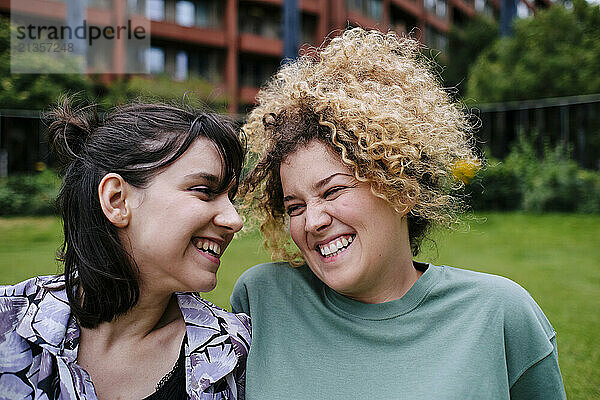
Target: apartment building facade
{"x":237,"y":44}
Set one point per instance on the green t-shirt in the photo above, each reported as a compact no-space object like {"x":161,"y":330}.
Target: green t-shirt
{"x":456,"y":334}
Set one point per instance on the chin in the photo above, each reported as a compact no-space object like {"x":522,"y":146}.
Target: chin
{"x":336,"y":280}
{"x":207,"y":287}
{"x":202,"y":283}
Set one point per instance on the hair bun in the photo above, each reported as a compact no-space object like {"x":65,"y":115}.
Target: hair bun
{"x":70,"y":127}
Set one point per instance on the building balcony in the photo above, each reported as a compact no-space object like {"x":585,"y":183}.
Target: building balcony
{"x":203,"y":36}
{"x":250,"y":43}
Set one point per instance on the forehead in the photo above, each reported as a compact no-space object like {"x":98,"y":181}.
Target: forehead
{"x":310,"y":164}
{"x":314,"y":154}
{"x":201,"y":157}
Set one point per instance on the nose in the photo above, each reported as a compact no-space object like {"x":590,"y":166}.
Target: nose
{"x":316,"y":218}
{"x":227,"y":216}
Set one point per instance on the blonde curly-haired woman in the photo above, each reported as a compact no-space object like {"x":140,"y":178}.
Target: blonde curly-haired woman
{"x":356,"y":146}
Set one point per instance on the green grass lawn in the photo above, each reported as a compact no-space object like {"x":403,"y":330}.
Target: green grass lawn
{"x":555,"y":257}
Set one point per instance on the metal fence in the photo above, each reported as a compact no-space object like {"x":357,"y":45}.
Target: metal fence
{"x":22,"y":142}
{"x":574,"y":121}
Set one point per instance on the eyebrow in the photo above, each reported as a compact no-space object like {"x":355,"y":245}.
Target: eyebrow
{"x":203,"y":175}
{"x":320,"y":184}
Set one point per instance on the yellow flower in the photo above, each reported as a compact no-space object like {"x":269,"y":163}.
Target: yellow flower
{"x":465,"y":170}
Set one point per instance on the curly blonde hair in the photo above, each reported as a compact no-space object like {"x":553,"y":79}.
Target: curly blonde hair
{"x":372,"y":98}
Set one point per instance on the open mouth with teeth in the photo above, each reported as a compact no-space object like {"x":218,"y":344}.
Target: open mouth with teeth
{"x":336,"y":246}
{"x":208,"y":246}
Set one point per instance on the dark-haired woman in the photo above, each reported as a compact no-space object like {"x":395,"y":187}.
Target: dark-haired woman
{"x":146,"y":205}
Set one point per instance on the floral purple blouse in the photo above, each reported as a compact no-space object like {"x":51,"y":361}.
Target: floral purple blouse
{"x":39,"y":339}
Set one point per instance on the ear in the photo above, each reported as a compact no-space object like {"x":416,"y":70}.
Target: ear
{"x":406,"y":208}
{"x":113,"y":192}
{"x":409,"y":200}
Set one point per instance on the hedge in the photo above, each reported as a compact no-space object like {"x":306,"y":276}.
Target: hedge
{"x":530,"y":182}
{"x":523,"y":181}
{"x":29,"y":194}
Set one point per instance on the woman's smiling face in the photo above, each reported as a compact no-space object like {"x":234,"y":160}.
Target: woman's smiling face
{"x":353,"y":241}
{"x":181,"y":225}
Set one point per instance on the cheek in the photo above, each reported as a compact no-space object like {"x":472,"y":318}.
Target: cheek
{"x":297,"y":230}
{"x":350,"y":212}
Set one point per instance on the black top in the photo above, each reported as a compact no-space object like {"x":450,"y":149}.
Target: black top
{"x":172,"y":385}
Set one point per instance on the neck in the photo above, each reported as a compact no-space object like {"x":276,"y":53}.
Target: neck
{"x":151,"y":313}
{"x":404,"y":277}
{"x":397,"y":280}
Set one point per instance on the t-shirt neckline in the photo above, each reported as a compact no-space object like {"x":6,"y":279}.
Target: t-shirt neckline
{"x":389,"y":309}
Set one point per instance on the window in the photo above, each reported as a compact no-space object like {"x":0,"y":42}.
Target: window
{"x":155,"y":10}
{"x":355,"y":5}
{"x":206,"y":63}
{"x":374,"y":9}
{"x":440,"y":8}
{"x":100,"y":55}
{"x":309,"y":27}
{"x":186,"y":63}
{"x":435,"y":39}
{"x":155,"y":60}
{"x":370,"y":8}
{"x":484,"y":7}
{"x":479,"y":5}
{"x":185,"y":13}
{"x":209,"y":13}
{"x":106,"y":4}
{"x":136,"y":7}
{"x":136,"y":56}
{"x":260,"y":21}
{"x":181,"y":66}
{"x":437,"y":7}
{"x":523,"y":11}
{"x":254,"y":72}
{"x":402,"y":21}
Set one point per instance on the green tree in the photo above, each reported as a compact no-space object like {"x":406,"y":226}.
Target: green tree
{"x":555,"y":53}
{"x":194,"y":91}
{"x":32,"y":91}
{"x":465,"y":43}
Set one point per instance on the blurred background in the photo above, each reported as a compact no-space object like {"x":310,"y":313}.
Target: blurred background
{"x":526,"y":70}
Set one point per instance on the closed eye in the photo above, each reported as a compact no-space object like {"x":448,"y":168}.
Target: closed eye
{"x":294,"y":210}
{"x":333,"y":192}
{"x":205,"y":191}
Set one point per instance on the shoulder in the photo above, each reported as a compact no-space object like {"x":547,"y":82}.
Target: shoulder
{"x":217,"y":343}
{"x":494,"y":286}
{"x":18,"y":309}
{"x":526,"y":333}
{"x":264,"y":271}
{"x":30,"y":286}
{"x":15,"y":299}
{"x":520,"y":311}
{"x":199,"y":312}
{"x":270,"y":283}
{"x":267,"y":274}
